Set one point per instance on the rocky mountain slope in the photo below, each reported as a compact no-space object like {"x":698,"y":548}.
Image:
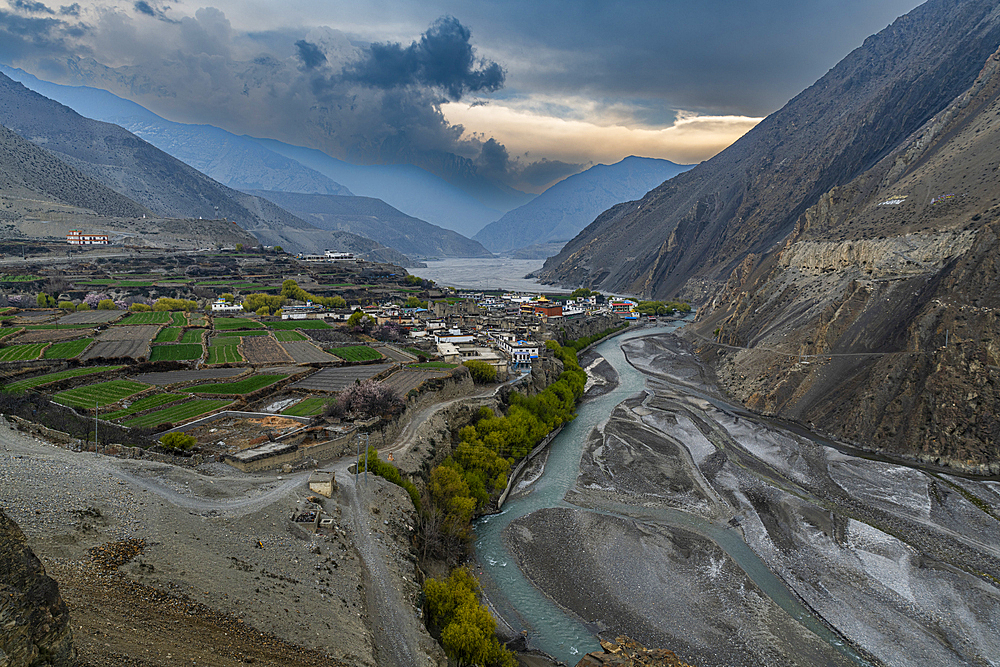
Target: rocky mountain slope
{"x":686,"y":236}
{"x":374,"y":219}
{"x":34,"y":621}
{"x":239,"y":162}
{"x":559,"y":213}
{"x":877,"y":319}
{"x":157,"y":181}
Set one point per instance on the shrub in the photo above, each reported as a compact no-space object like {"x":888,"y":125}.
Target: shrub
{"x":83,"y":306}
{"x":67,"y":305}
{"x":107,"y":304}
{"x":140,"y":308}
{"x":178,"y":441}
{"x":44,"y":300}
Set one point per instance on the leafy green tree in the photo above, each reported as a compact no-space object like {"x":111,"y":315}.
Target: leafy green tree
{"x":482,"y":372}
{"x":178,"y":441}
{"x":44,"y":300}
{"x":107,"y":304}
{"x":66,"y":305}
{"x":414,"y":302}
{"x":465,"y":626}
{"x":263,"y":311}
{"x":82,"y":306}
{"x":239,"y":247}
{"x":228,"y":297}
{"x":278,"y":249}
{"x":140,"y":308}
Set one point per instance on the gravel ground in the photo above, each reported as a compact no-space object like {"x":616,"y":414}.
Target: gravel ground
{"x":218,"y":544}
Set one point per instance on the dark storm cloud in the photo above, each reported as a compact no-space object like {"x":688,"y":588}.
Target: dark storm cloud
{"x":443,"y":58}
{"x":144,"y":7}
{"x":30,"y":36}
{"x":725,"y":56}
{"x":33,"y":7}
{"x":310,"y":54}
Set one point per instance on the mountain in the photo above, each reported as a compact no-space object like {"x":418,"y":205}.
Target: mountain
{"x":159,"y":182}
{"x":374,"y":219}
{"x":559,"y":213}
{"x":686,"y":236}
{"x":889,"y":288}
{"x":245,"y":163}
{"x":239,"y":162}
{"x":27,"y":171}
{"x":410,"y":189}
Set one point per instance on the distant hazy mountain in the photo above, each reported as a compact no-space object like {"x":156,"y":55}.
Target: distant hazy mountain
{"x":375,"y":219}
{"x":239,"y":162}
{"x":410,"y":189}
{"x":245,"y":163}
{"x":166,"y":186}
{"x":559,"y":213}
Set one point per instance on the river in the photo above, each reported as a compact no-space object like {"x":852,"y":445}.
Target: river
{"x":831,"y":583}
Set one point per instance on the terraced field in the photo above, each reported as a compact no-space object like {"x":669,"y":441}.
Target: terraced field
{"x":178,"y":319}
{"x":264,"y":350}
{"x":226,"y":353}
{"x":356,"y":353}
{"x":103,"y":393}
{"x":244,"y":386}
{"x":202,"y":375}
{"x":192,"y":336}
{"x":224,"y":323}
{"x":148,"y":403}
{"x":306,"y":353}
{"x":153,"y":317}
{"x":22,"y":352}
{"x":122,"y":341}
{"x":288,"y":336}
{"x":338,"y":379}
{"x":179,"y":413}
{"x":168,"y":335}
{"x":236,"y":332}
{"x":39,"y":380}
{"x":68,"y":349}
{"x":91,"y":317}
{"x":52,"y":335}
{"x":307,"y":407}
{"x":286,"y":325}
{"x":405,"y":380}
{"x":175,"y":352}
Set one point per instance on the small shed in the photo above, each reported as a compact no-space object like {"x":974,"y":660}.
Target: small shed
{"x":323,"y":483}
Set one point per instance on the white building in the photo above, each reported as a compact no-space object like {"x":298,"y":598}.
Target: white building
{"x":221,"y":306}
{"x":519,"y":351}
{"x":77,"y":237}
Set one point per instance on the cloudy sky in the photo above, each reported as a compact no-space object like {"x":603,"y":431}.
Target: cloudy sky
{"x":521,"y":92}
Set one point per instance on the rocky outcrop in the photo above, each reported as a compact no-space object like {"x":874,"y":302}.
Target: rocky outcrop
{"x":626,"y":652}
{"x":877,"y":319}
{"x":34,"y":621}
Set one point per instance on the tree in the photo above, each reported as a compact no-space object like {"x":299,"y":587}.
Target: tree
{"x":140,"y":308}
{"x":278,"y":249}
{"x":83,"y":306}
{"x":44,"y":300}
{"x":482,"y":372}
{"x":106,"y":304}
{"x":239,"y":247}
{"x":178,"y":441}
{"x":66,"y":305}
{"x":465,"y":626}
{"x":228,"y":297}
{"x":263,"y":311}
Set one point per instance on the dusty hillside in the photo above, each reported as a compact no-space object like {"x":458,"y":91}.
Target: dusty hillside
{"x":689,"y":233}
{"x":889,"y":290}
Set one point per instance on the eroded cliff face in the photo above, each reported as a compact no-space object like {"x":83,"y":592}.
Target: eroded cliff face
{"x":34,"y":621}
{"x":878,"y":320}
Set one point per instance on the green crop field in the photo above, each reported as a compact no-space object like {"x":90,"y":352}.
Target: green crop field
{"x":432,"y":364}
{"x":152,"y":317}
{"x":224,"y":354}
{"x":99,"y":281}
{"x":180,"y":412}
{"x":230,"y":334}
{"x":175,"y":352}
{"x":228,"y":323}
{"x":19,"y":279}
{"x":134,"y":283}
{"x":307,"y":407}
{"x":21,"y":352}
{"x":178,"y":319}
{"x":356,"y":353}
{"x":102,"y":393}
{"x":298,"y":324}
{"x":143,"y":404}
{"x":168,"y":335}
{"x":192,"y":336}
{"x":245,"y":386}
{"x":288,"y":336}
{"x":67,"y":349}
{"x":39,"y":380}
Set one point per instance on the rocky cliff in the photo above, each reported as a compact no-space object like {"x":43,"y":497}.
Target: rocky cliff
{"x":34,"y":622}
{"x":877,"y":319}
{"x":686,"y":236}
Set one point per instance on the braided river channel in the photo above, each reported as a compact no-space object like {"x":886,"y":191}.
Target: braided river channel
{"x":660,"y":514}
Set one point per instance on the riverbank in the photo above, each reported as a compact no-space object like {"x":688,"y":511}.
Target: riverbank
{"x":896,"y":563}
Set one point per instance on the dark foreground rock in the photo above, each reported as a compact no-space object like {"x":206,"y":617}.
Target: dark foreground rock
{"x":34,"y":621}
{"x":626,"y":652}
